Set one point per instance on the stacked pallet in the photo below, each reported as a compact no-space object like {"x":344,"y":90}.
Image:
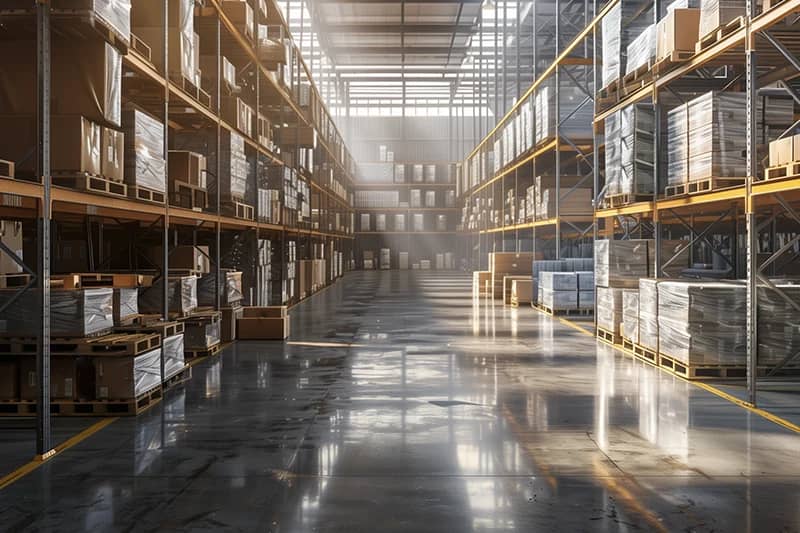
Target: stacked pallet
{"x":503,"y":264}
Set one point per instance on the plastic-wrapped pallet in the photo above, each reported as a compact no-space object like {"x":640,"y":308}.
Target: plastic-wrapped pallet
{"x":232,"y":181}
{"x":609,"y":309}
{"x":126,"y":304}
{"x":778,"y":325}
{"x":613,"y":162}
{"x":145,"y":165}
{"x":678,"y":145}
{"x":115,"y":13}
{"x":637,"y":152}
{"x":578,"y":264}
{"x":574,"y":115}
{"x":73,"y":312}
{"x":119,"y":378}
{"x":586,"y":299}
{"x":623,"y":262}
{"x":630,"y":315}
{"x":538,"y":267}
{"x":201,"y":334}
{"x":585,"y":280}
{"x":610,"y":31}
{"x":703,"y":323}
{"x":560,"y":300}
{"x":717,"y":13}
{"x":559,"y":281}
{"x":717,"y":135}
{"x":230,"y":294}
{"x":648,"y":313}
{"x":172,"y":349}
{"x":181,"y":295}
{"x":642,"y":49}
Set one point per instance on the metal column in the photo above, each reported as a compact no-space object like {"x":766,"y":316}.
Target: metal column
{"x":750,"y":216}
{"x":44,"y":443}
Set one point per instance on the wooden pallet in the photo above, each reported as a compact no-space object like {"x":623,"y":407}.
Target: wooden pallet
{"x":702,"y":186}
{"x":111,"y":344}
{"x":85,"y":280}
{"x":674,"y":59}
{"x":238,"y":210}
{"x":719,"y":34}
{"x":633,"y":81}
{"x":608,"y":336}
{"x":129,"y":407}
{"x":141,"y":48}
{"x":645,"y":353}
{"x":130,"y":320}
{"x":6,"y":169}
{"x":176,"y":379}
{"x":147,"y":195}
{"x":91,"y":183}
{"x":14,"y":280}
{"x":188,"y":196}
{"x":206,"y":352}
{"x":566,"y":312}
{"x":790,"y":170}
{"x":147,"y":324}
{"x":619,"y":200}
{"x":687,"y":371}
{"x":193,"y":90}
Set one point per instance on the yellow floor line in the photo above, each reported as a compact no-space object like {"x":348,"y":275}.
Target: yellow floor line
{"x":67,"y":444}
{"x":705,"y":386}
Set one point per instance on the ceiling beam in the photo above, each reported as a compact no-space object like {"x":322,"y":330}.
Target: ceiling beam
{"x":345,"y":2}
{"x":398,"y":49}
{"x":398,"y":28}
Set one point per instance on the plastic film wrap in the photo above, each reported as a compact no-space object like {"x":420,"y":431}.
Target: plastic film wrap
{"x":642,"y":49}
{"x":717,"y":13}
{"x":585,"y":280}
{"x":147,"y":371}
{"x":114,"y":85}
{"x":610,"y":28}
{"x":637,"y":151}
{"x":630,"y":315}
{"x":186,"y":28}
{"x":648,"y":313}
{"x":559,"y":281}
{"x":73,"y":312}
{"x":678,"y":145}
{"x":115,"y":13}
{"x":560,"y":300}
{"x":778,"y":325}
{"x":609,"y":309}
{"x":537,"y":267}
{"x":622,"y":262}
{"x":703,"y":323}
{"x":201,"y":335}
{"x":144,"y":151}
{"x":230,"y":293}
{"x":126,"y":304}
{"x":172,"y":349}
{"x":579,"y":264}
{"x":613,"y":161}
{"x":181,"y":295}
{"x":586,"y":299}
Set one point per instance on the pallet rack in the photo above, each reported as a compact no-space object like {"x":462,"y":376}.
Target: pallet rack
{"x":751,"y":226}
{"x":181,"y":108}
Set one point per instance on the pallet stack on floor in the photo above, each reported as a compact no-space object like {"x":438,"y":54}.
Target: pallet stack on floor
{"x":554,"y":281}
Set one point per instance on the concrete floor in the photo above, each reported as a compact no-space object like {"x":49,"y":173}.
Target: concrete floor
{"x":407,"y":407}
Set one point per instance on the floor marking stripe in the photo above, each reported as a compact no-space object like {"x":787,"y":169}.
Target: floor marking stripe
{"x":67,"y":444}
{"x":705,"y":386}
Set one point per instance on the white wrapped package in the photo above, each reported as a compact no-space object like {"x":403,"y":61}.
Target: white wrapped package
{"x":778,"y":325}
{"x":126,"y":304}
{"x":637,"y":153}
{"x":630,"y":315}
{"x":73,"y":312}
{"x":703,"y":323}
{"x":717,"y":13}
{"x":172,"y":348}
{"x":642,"y":49}
{"x":609,"y":309}
{"x":678,"y":145}
{"x":181,"y":295}
{"x":613,"y":162}
{"x":186,"y":28}
{"x":559,"y":281}
{"x":585,"y":280}
{"x":622,"y":263}
{"x":586,"y":299}
{"x":560,"y":300}
{"x":610,"y":28}
{"x":145,"y":165}
{"x":147,"y":371}
{"x":648,"y":313}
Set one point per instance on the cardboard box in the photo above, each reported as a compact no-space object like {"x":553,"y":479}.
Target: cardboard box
{"x":229,"y":317}
{"x":11,"y":236}
{"x":677,"y":32}
{"x":299,"y":136}
{"x":784,"y":151}
{"x":240,"y":14}
{"x":62,"y":378}
{"x":112,"y":154}
{"x":9,"y":379}
{"x":263,"y":323}
{"x":126,"y":377}
{"x":76,"y":145}
{"x":522,"y":291}
{"x":188,"y":167}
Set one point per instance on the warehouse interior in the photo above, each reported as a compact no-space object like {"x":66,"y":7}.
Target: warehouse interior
{"x":430,"y":265}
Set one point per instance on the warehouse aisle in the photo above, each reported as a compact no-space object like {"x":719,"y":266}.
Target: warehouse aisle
{"x":409,"y":407}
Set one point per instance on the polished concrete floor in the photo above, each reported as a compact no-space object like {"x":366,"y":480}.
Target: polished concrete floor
{"x":408,"y":407}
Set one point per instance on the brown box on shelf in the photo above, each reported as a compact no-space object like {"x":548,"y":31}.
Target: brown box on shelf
{"x":240,"y":14}
{"x":62,"y":378}
{"x":11,"y":237}
{"x":238,"y":114}
{"x":184,"y":257}
{"x":112,"y":154}
{"x":76,"y":145}
{"x":9,"y":379}
{"x":229,"y":317}
{"x":263,"y":323}
{"x":677,"y":32}
{"x":300,"y":136}
{"x":188,"y":167}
